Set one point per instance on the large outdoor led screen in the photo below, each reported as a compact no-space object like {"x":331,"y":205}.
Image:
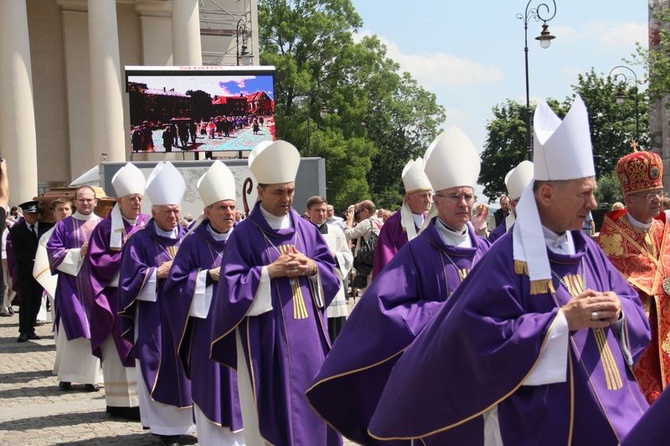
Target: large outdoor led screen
{"x":200,"y":109}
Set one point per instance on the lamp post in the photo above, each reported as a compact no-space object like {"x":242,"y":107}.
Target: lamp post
{"x":241,"y":30}
{"x":621,"y":93}
{"x":309,"y":127}
{"x":323,"y":113}
{"x":541,"y":12}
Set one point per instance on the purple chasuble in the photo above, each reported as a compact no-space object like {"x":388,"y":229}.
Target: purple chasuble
{"x":498,"y":232}
{"x":653,"y":428}
{"x":285,"y":346}
{"x":393,"y":310}
{"x":73,"y":297}
{"x":161,"y":369}
{"x":104,"y":267}
{"x":475,"y":355}
{"x":392,"y":237}
{"x":214,"y":386}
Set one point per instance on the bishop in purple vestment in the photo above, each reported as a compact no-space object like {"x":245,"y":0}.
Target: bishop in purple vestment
{"x":407,"y":293}
{"x":104,"y":270}
{"x":67,"y":249}
{"x":405,"y":223}
{"x":193,"y":280}
{"x":105,"y":251}
{"x":477,"y":357}
{"x":214,"y":386}
{"x":278,"y":278}
{"x":540,"y":339}
{"x":152,"y":342}
{"x":396,"y":307}
{"x":163,"y":388}
{"x":285,"y":346}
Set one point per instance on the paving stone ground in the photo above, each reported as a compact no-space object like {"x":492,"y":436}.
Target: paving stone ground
{"x":34,"y":411}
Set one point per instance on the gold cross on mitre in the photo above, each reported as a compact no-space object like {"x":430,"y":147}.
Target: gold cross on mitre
{"x":635,"y":145}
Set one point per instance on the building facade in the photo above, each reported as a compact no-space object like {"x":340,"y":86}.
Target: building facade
{"x":63,"y":102}
{"x":659,"y":114}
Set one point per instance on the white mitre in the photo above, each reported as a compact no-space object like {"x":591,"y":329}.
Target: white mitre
{"x":216,"y":184}
{"x":274,"y":162}
{"x":452,"y":161}
{"x":165,"y":185}
{"x":129,"y":180}
{"x":518,"y":178}
{"x":413,"y":177}
{"x":562,"y":151}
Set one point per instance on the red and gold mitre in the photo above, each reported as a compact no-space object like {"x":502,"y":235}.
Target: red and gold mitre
{"x":640,"y":171}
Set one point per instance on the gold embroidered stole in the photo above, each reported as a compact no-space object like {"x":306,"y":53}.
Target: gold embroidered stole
{"x":299,"y":307}
{"x":575,"y":285}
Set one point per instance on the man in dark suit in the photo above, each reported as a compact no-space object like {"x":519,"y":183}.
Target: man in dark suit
{"x":503,"y":212}
{"x":24,"y":236}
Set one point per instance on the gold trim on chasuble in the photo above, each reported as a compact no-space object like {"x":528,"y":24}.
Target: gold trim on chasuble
{"x":172,"y":250}
{"x":575,"y":285}
{"x":299,"y":307}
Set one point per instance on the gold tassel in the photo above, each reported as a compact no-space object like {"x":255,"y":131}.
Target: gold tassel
{"x":541,"y":286}
{"x":299,"y":307}
{"x":520,"y":267}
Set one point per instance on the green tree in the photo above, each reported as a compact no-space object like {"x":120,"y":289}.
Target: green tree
{"x":377,"y":117}
{"x":609,"y":190}
{"x":613,"y":126}
{"x":505,"y":145}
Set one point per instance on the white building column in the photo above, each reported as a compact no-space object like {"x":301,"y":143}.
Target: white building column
{"x":107,"y":131}
{"x":186,"y":45}
{"x":17,"y":110}
{"x":156,"y":23}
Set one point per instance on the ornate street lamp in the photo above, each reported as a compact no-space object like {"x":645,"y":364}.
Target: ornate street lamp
{"x":541,"y":12}
{"x":241,"y":31}
{"x":621,"y":92}
{"x":323,"y":113}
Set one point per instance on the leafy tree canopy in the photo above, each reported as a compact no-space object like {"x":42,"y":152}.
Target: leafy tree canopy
{"x":376,"y":117}
{"x":614,"y":128}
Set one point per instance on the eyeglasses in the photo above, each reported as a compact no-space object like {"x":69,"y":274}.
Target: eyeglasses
{"x":457,"y":198}
{"x":651,"y":195}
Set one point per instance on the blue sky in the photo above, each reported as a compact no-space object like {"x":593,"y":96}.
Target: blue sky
{"x":470,"y":53}
{"x":225,"y":85}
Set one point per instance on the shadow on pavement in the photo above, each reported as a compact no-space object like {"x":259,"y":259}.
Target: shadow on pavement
{"x":17,"y":377}
{"x":63,"y":420}
{"x":132,"y":439}
{"x":28,"y":347}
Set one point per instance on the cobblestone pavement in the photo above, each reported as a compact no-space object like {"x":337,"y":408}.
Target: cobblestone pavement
{"x":34,"y":411}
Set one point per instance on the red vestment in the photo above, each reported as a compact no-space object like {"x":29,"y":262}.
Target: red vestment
{"x":643,"y":257}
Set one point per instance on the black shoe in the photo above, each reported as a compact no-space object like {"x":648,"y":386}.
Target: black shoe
{"x":169,"y":440}
{"x":65,"y":385}
{"x":22,"y":338}
{"x":91,"y":387}
{"x":129,"y":413}
{"x":11,"y":311}
{"x":33,"y":337}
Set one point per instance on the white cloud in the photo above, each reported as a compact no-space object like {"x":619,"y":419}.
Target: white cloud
{"x":622,"y":35}
{"x":432,"y":70}
{"x":607,"y":35}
